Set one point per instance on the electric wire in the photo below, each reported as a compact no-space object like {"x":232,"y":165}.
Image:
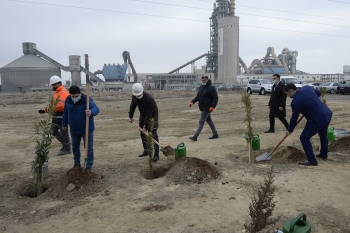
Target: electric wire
{"x":160,"y":16}
{"x":271,"y":17}
{"x":290,"y":12}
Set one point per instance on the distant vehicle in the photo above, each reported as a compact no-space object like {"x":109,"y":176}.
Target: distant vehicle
{"x":330,"y":87}
{"x":291,"y":79}
{"x":304,"y":83}
{"x":261,"y":86}
{"x":316,"y":84}
{"x":344,"y":88}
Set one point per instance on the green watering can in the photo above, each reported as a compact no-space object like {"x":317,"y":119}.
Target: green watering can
{"x":330,"y":134}
{"x":297,"y":225}
{"x":180,"y":151}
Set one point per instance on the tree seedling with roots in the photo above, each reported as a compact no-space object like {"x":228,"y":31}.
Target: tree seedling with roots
{"x":42,"y":142}
{"x":323,"y":91}
{"x":262,"y":206}
{"x":150,"y":146}
{"x":245,"y":98}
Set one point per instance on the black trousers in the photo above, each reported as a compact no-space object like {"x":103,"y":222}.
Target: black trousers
{"x":282,"y":119}
{"x":155,"y":136}
{"x":61,"y":135}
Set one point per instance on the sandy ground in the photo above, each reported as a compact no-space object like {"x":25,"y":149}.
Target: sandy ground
{"x":123,"y":200}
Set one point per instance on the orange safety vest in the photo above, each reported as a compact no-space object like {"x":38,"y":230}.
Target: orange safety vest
{"x":61,"y":94}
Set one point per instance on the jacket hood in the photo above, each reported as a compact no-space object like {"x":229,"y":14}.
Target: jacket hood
{"x":209,"y":82}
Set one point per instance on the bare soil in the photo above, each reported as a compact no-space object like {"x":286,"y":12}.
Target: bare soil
{"x":209,"y":191}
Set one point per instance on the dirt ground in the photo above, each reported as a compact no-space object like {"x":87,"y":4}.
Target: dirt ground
{"x":121,"y":198}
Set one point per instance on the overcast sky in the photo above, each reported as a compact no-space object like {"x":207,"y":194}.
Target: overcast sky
{"x":162,"y":34}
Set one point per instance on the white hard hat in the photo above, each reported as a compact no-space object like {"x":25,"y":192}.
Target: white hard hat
{"x":55,"y":79}
{"x":137,"y":89}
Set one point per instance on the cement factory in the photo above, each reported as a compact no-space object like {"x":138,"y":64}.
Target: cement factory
{"x":224,"y":66}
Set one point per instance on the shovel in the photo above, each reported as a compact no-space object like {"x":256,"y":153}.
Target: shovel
{"x":168,"y":150}
{"x":87,"y":125}
{"x":267,"y":155}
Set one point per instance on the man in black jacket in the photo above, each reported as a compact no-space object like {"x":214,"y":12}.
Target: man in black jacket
{"x":207,"y":98}
{"x":277,"y":104}
{"x":148,"y":109}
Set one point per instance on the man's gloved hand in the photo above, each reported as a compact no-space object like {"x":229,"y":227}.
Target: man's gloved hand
{"x":190,"y":104}
{"x":41,"y":111}
{"x":211,"y":109}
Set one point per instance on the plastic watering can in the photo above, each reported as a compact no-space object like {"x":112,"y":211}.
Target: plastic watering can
{"x":297,"y":225}
{"x":180,"y":151}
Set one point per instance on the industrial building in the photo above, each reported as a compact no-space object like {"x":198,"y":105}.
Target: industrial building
{"x":26,"y":72}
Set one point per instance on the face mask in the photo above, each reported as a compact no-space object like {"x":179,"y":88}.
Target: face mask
{"x":75,"y":100}
{"x":203,"y":84}
{"x":274,"y":81}
{"x":54,"y":88}
{"x":139,"y":97}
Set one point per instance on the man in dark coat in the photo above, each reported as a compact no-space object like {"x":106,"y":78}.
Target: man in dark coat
{"x":307,"y":102}
{"x":207,"y":98}
{"x":277,"y":104}
{"x":148,"y":109}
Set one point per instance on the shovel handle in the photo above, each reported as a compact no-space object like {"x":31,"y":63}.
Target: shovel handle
{"x":286,"y":135}
{"x":145,"y":133}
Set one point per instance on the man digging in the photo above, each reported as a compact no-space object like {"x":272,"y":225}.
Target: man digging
{"x":148,"y":109}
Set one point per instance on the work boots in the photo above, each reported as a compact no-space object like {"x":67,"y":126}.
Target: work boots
{"x":64,"y":150}
{"x":155,"y":157}
{"x":144,"y":153}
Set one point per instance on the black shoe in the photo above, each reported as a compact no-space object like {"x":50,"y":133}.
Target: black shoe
{"x":76,"y":165}
{"x":88,"y":169}
{"x":307,"y":163}
{"x":143,"y":154}
{"x":64,"y":152}
{"x":269,"y":131}
{"x":155,"y":158}
{"x":321,"y":156}
{"x":193,"y":138}
{"x":214,"y":136}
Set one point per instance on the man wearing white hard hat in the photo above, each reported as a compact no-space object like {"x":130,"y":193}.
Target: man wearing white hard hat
{"x":62,"y":135}
{"x":148,"y":109}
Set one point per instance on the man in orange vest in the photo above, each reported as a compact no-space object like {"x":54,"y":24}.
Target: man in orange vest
{"x":62,"y":135}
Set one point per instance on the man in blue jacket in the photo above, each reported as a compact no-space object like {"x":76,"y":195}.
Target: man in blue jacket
{"x":207,"y":98}
{"x":307,"y":102}
{"x":74,"y":115}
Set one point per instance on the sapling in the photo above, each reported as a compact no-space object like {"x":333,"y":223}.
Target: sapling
{"x":245,"y":97}
{"x":323,"y":91}
{"x":150,"y":146}
{"x":42,"y":142}
{"x":262,"y":206}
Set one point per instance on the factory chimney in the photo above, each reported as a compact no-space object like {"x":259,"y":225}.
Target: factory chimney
{"x":232,"y":7}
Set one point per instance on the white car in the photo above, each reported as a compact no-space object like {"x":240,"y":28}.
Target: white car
{"x":291,"y":79}
{"x":261,"y":86}
{"x":330,"y":87}
{"x":304,"y":83}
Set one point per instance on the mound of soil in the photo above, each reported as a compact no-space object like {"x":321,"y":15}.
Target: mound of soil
{"x":76,"y":177}
{"x":341,"y":144}
{"x":192,"y":170}
{"x":285,"y":154}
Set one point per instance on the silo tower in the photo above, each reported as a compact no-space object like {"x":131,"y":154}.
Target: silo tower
{"x":223,"y":59}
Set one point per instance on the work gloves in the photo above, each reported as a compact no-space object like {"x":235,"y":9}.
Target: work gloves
{"x":211,"y":109}
{"x":190,"y":104}
{"x":41,"y":111}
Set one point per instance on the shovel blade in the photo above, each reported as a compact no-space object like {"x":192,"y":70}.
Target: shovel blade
{"x":168,"y":150}
{"x":264,"y":156}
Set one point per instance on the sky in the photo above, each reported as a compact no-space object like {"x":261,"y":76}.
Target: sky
{"x":161,"y":35}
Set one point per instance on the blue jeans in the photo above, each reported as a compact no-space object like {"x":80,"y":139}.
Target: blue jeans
{"x":305,"y":137}
{"x":76,"y":138}
{"x":205,"y":117}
